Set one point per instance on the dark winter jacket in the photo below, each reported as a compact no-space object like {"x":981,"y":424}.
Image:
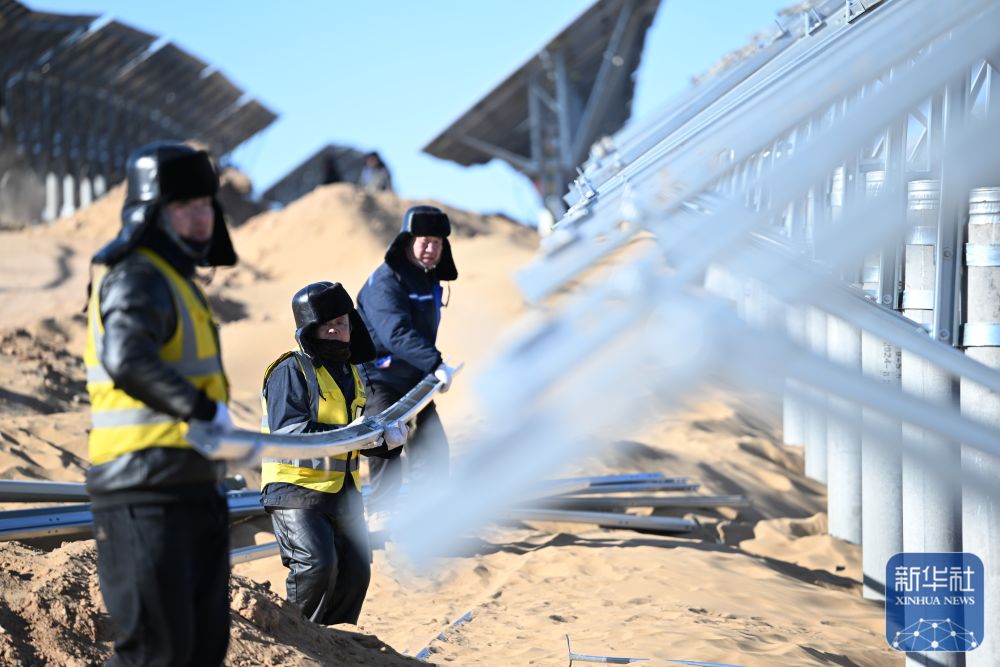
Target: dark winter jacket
{"x":139,"y":316}
{"x":401,"y":306}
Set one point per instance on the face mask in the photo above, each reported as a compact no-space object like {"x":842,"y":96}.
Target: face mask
{"x":196,"y":249}
{"x":336,"y":351}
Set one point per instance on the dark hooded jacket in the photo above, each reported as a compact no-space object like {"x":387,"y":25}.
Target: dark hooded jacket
{"x":401,"y":304}
{"x":140,"y":316}
{"x":286,"y":390}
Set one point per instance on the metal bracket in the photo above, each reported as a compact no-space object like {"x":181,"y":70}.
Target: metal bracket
{"x":813,"y":21}
{"x":584,"y":186}
{"x":951,"y":228}
{"x":856,"y":8}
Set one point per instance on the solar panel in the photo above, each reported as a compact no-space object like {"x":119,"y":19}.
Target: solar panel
{"x":329,"y":164}
{"x":78,"y":100}
{"x":10,"y":12}
{"x":217,"y":97}
{"x":243,"y":123}
{"x":160,"y":80}
{"x":501,"y":117}
{"x":203,"y":97}
{"x":99,"y":55}
{"x":33,"y":34}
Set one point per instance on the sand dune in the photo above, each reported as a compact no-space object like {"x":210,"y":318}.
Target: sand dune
{"x":762,"y":585}
{"x":52,"y":614}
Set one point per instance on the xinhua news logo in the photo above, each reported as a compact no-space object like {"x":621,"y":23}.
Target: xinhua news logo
{"x":934,"y":602}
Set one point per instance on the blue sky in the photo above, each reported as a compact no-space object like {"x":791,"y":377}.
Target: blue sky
{"x":389,"y":75}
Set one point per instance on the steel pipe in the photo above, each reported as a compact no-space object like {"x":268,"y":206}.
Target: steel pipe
{"x":664,"y":524}
{"x":249,"y":446}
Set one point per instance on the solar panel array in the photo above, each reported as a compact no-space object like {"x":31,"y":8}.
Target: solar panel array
{"x":543,"y":118}
{"x":330,"y":164}
{"x":78,"y":94}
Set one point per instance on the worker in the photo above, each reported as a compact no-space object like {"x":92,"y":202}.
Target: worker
{"x":154,"y":368}
{"x":315,"y":504}
{"x":374,"y":176}
{"x":401,"y":306}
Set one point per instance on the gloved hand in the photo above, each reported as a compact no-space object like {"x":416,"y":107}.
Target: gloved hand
{"x":395,"y":434}
{"x":200,"y":431}
{"x":444,"y":373}
{"x":222,"y":421}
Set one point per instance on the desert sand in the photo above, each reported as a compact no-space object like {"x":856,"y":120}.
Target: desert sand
{"x":763,"y":585}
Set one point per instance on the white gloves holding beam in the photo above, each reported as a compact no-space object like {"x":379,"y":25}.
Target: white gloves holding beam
{"x":444,"y":373}
{"x":394,"y":433}
{"x":222,"y":421}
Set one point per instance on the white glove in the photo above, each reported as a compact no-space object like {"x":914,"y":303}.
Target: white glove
{"x":201,"y":432}
{"x":395,"y":434}
{"x":444,"y":373}
{"x":222,"y":421}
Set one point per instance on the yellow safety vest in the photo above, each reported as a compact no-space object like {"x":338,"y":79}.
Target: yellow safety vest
{"x":122,"y":424}
{"x":327,"y":405}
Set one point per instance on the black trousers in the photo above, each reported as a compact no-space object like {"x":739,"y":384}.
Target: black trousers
{"x":328,"y":556}
{"x":426,"y":451}
{"x":164,"y":575}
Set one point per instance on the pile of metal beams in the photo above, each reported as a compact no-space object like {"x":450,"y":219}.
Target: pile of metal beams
{"x":570,"y":500}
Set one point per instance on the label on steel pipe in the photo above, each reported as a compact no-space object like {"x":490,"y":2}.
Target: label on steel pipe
{"x":982,"y":254}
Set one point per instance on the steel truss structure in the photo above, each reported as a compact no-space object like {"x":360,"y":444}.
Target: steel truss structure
{"x":77,"y":94}
{"x":840,"y":191}
{"x":543,"y":118}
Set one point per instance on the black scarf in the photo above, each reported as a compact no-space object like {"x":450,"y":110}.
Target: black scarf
{"x":332,"y":351}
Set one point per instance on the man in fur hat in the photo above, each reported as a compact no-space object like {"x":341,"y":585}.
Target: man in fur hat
{"x":401,"y":305}
{"x":154,"y":367}
{"x":315,"y":504}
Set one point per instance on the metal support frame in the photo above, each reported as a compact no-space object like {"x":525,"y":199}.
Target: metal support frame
{"x":549,"y":115}
{"x":981,"y":510}
{"x":844,"y":507}
{"x":565,"y":108}
{"x":17,"y":491}
{"x":727,"y":133}
{"x":951,"y":231}
{"x":500,"y":153}
{"x":881,"y":469}
{"x":605,"y":83}
{"x":816,"y":433}
{"x":664,"y":524}
{"x":890,"y":266}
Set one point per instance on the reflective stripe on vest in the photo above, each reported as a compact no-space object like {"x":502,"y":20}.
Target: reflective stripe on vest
{"x":121,"y":423}
{"x":327,"y":405}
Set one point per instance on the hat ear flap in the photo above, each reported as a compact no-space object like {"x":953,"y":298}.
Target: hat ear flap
{"x":137,"y":220}
{"x":222,"y":252}
{"x":362,"y":347}
{"x":446,"y":269}
{"x":302,"y":338}
{"x":395,"y":254}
